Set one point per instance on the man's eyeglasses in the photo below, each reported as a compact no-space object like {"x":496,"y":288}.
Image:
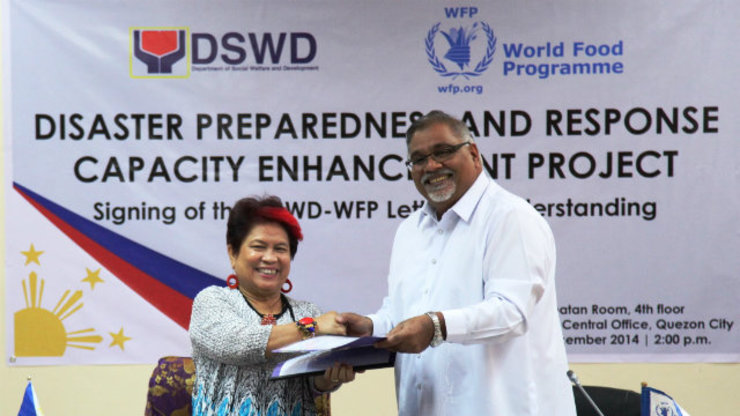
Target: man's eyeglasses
{"x":440,"y":155}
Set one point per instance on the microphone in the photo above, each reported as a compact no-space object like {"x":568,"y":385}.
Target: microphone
{"x":574,"y":380}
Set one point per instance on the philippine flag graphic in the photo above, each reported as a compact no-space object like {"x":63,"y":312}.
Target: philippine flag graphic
{"x":167,"y":284}
{"x":159,"y":53}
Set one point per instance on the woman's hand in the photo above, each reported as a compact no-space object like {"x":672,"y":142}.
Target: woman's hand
{"x":328,"y":325}
{"x":333,"y":377}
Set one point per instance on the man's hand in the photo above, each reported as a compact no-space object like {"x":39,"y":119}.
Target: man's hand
{"x":357,"y":325}
{"x":412,"y":335}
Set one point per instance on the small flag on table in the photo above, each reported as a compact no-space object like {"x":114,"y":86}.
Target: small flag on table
{"x":657,"y":403}
{"x":30,"y":405}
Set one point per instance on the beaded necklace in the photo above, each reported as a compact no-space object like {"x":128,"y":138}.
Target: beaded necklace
{"x":269,"y":318}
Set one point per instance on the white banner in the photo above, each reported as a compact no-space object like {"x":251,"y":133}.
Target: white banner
{"x":132,"y":126}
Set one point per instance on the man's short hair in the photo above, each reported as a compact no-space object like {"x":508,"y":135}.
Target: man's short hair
{"x":459,"y":129}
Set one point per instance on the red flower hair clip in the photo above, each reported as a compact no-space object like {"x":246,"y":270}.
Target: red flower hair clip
{"x":282,"y":216}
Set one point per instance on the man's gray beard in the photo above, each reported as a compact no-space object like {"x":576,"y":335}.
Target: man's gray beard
{"x":443,"y":194}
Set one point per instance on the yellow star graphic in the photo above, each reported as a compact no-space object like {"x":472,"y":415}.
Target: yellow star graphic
{"x":32,"y":255}
{"x":93,"y":277}
{"x":119,"y":339}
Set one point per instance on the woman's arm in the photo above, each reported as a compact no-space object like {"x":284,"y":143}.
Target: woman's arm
{"x":286,"y":334}
{"x":219,"y":332}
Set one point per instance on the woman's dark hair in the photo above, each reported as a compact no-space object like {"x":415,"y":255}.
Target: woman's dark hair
{"x":251,"y":211}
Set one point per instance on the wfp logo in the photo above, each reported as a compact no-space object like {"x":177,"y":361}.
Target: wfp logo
{"x":159,"y":53}
{"x":664,"y":409}
{"x":467,"y":49}
{"x":460,"y":39}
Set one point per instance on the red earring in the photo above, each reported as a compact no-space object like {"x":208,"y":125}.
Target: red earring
{"x":290,"y":286}
{"x":232,"y":281}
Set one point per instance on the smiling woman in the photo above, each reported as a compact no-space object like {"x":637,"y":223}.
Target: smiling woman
{"x":234,"y":330}
{"x":262,"y":264}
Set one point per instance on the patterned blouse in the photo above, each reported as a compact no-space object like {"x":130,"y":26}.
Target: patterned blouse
{"x":232,"y":372}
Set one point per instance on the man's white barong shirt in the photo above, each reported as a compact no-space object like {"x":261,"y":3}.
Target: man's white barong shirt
{"x":489,"y":266}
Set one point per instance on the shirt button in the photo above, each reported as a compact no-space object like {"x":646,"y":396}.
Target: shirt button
{"x":418,"y":387}
{"x":440,"y":231}
{"x":434,"y":261}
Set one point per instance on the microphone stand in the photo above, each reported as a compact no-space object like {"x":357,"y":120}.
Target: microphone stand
{"x":574,"y":380}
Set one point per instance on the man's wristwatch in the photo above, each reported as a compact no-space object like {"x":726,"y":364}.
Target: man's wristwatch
{"x":437,"y":338}
{"x":307,"y":326}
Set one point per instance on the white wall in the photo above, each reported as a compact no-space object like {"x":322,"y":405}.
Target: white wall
{"x":701,"y":389}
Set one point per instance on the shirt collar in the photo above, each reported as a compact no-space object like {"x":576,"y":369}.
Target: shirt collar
{"x":465,"y":206}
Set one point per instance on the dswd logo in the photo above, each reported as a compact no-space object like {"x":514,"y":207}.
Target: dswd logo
{"x":159,"y":53}
{"x":467,"y":49}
